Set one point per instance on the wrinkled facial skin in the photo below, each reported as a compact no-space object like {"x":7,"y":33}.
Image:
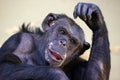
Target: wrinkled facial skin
{"x":64,"y":38}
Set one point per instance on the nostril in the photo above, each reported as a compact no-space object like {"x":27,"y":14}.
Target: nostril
{"x":62,"y":42}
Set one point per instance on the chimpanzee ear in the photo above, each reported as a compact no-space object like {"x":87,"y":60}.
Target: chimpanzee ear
{"x":86,"y":45}
{"x":49,"y":21}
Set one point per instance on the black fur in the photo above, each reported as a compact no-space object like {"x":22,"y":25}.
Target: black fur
{"x":27,"y":29}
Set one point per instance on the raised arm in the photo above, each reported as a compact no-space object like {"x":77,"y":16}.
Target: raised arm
{"x":99,"y":61}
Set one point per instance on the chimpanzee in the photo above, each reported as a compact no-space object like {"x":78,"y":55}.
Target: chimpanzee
{"x":54,"y":53}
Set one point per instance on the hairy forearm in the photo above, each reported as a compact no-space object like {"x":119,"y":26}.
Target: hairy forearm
{"x":99,"y":60}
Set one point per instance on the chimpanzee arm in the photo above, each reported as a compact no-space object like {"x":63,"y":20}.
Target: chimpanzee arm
{"x":10,"y":71}
{"x":10,"y":45}
{"x":98,"y":67}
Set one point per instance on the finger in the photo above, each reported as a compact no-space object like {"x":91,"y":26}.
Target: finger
{"x":75,"y":12}
{"x":96,"y":10}
{"x":89,"y":13}
{"x":79,"y":10}
{"x":92,"y":9}
{"x":84,"y":12}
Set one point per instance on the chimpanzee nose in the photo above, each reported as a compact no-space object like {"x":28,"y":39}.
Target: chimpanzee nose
{"x":62,"y":42}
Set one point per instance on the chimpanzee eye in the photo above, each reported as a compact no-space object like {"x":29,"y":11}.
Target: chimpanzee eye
{"x":62,"y":31}
{"x":73,"y":41}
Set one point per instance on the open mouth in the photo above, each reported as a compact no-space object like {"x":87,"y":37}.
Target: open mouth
{"x":55,"y":56}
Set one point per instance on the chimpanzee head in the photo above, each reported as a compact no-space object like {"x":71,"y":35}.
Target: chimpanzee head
{"x":64,"y":39}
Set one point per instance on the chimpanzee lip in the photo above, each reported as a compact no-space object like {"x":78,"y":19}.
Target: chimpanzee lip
{"x":55,"y":55}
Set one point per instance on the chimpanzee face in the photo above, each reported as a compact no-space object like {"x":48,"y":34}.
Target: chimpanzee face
{"x":64,"y":38}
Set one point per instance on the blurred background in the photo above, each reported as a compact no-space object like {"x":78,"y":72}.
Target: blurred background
{"x":13,"y":13}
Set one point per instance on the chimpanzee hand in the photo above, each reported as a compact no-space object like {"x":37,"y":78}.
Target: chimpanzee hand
{"x":90,"y":14}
